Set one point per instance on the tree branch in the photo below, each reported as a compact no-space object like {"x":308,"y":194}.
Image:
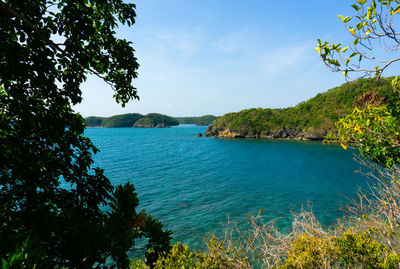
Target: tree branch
{"x":4,"y":8}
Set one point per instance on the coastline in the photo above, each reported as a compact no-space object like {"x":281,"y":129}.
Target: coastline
{"x":282,"y":134}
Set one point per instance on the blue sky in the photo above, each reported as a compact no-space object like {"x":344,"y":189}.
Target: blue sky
{"x":220,"y":56}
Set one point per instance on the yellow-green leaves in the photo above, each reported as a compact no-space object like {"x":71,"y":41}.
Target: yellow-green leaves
{"x":357,"y":8}
{"x":2,"y":91}
{"x":371,"y":25}
{"x":396,"y":83}
{"x":345,"y":19}
{"x":343,"y":145}
{"x":334,"y":62}
{"x":371,"y":129}
{"x":373,"y":4}
{"x":350,"y":249}
{"x":324,"y":50}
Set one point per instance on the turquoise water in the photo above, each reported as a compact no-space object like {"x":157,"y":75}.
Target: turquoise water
{"x":193,"y":183}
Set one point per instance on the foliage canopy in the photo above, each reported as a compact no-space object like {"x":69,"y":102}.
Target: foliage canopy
{"x":52,"y":202}
{"x":316,"y":116}
{"x":373,"y":126}
{"x":373,"y":30}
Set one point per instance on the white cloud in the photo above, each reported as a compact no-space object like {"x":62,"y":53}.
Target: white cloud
{"x":235,"y":41}
{"x":281,"y":61}
{"x":190,"y":71}
{"x":186,"y":41}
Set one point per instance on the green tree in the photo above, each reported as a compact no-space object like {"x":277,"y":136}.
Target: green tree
{"x":56,"y":210}
{"x":374,"y":124}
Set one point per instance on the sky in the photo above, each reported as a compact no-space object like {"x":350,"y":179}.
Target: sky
{"x":221,"y":56}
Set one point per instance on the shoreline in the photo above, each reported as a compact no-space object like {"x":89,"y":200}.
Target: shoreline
{"x":286,"y":134}
{"x":269,"y":138}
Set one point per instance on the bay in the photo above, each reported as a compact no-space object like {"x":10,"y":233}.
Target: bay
{"x":192,"y":184}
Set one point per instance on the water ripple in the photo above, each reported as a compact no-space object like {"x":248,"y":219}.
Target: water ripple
{"x":192,"y":184}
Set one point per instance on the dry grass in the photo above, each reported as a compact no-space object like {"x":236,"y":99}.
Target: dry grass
{"x":263,"y":244}
{"x":378,"y":208}
{"x":376,"y":211}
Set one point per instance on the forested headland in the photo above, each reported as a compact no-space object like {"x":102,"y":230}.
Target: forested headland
{"x":312,"y":119}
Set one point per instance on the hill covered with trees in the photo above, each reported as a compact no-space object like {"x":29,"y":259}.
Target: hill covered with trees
{"x":132,"y":120}
{"x":311,"y":119}
{"x":203,"y":120}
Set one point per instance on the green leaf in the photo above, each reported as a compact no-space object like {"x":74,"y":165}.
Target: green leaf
{"x":353,"y":54}
{"x":357,"y":8}
{"x":369,"y":14}
{"x":334,"y":62}
{"x":373,"y":4}
{"x":347,"y":19}
{"x":4,"y":264}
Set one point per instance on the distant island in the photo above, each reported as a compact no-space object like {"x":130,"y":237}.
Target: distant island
{"x":309,"y":120}
{"x":151,"y":120}
{"x":200,"y":121}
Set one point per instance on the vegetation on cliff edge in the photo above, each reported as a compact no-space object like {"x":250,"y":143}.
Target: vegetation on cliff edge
{"x":316,"y":116}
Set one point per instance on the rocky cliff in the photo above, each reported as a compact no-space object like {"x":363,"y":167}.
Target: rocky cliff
{"x":279,"y":134}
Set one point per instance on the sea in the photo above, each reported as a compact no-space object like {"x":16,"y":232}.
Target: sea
{"x":195,"y":185}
